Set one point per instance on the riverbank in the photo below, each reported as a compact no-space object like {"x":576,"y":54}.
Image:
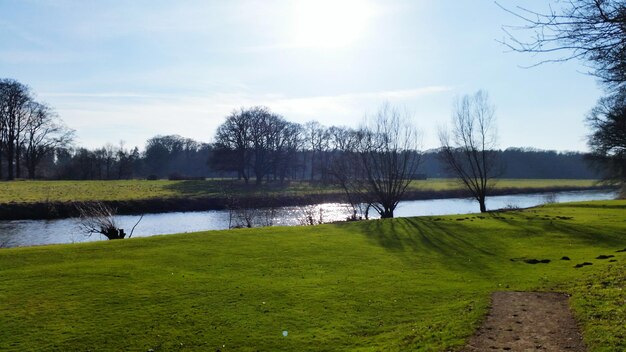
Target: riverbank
{"x":42,"y":232}
{"x":40,"y":210}
{"x":418,"y":284}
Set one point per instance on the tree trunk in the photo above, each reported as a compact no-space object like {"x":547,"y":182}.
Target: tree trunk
{"x":10,"y":160}
{"x":387,"y":214}
{"x":18,"y":169}
{"x":304,"y":165}
{"x":483,"y":207}
{"x":312,"y":165}
{"x":114,"y":234}
{"x":30,"y":166}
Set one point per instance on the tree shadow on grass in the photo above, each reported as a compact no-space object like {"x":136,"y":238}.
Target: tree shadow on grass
{"x":197,"y":188}
{"x":225,"y":188}
{"x":594,"y":205}
{"x":422,"y":235}
{"x":589,"y":234}
{"x":448,"y":243}
{"x":455,"y":244}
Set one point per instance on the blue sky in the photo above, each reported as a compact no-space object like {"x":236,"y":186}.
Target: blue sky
{"x":129,"y":70}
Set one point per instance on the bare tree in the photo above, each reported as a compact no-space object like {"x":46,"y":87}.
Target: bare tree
{"x":349,"y":174}
{"x":243,"y":217}
{"x":591,"y":30}
{"x":469,"y":150}
{"x":43,"y":134}
{"x":595,"y":32}
{"x":109,"y":155}
{"x":381,"y":162}
{"x":607,"y":140}
{"x":345,"y":147}
{"x":265,"y":132}
{"x":310,"y":215}
{"x":286,"y":145}
{"x":340,"y":138}
{"x":256,"y":139}
{"x":233,"y":145}
{"x":100,"y":218}
{"x":125,"y":160}
{"x":15,"y":99}
{"x":27,"y":128}
{"x":316,"y":141}
{"x":244,"y":214}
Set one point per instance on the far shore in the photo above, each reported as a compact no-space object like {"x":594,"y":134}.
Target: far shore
{"x":67,"y":209}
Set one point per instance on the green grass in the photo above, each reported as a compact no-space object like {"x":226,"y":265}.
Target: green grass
{"x":445,"y":184}
{"x":42,"y":191}
{"x":395,"y":285}
{"x":600,"y":302}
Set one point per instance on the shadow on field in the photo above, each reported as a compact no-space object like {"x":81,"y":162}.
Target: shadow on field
{"x":198,"y":188}
{"x":590,"y":234}
{"x":482,"y":240}
{"x":449,"y":243}
{"x":235,"y":188}
{"x":596,"y":205}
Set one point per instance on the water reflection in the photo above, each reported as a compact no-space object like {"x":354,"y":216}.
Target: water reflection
{"x":38,"y":232}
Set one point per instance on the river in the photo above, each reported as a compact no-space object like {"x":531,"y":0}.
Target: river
{"x":39,"y":232}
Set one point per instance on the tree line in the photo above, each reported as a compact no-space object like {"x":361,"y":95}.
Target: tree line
{"x":30,"y":130}
{"x":373,"y":164}
{"x":158,"y":160}
{"x":252,"y":144}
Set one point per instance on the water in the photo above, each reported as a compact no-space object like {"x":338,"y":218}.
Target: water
{"x":39,"y":232}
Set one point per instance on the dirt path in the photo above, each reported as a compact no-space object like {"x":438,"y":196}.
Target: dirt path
{"x":528,"y":321}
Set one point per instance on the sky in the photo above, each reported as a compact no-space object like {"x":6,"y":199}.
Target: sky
{"x":125,"y":71}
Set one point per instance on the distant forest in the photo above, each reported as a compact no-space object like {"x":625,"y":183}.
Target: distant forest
{"x":252,"y":144}
{"x":175,"y":157}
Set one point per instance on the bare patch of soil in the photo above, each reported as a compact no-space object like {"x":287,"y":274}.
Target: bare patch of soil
{"x":528,"y":321}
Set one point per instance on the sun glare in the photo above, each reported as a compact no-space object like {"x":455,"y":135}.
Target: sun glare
{"x":330,"y":23}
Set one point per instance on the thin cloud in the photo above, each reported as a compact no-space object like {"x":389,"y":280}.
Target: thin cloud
{"x":24,"y":35}
{"x":348,"y":105}
{"x":38,"y":57}
{"x":109,"y":95}
{"x":138,"y":117}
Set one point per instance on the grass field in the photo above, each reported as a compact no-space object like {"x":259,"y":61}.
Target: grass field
{"x":43,"y":191}
{"x":395,"y":285}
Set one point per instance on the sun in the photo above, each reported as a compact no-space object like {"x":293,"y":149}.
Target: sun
{"x":330,"y":23}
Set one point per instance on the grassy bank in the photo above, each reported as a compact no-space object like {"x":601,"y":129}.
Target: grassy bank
{"x":402,"y":284}
{"x":58,"y":199}
{"x":124,"y":190}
